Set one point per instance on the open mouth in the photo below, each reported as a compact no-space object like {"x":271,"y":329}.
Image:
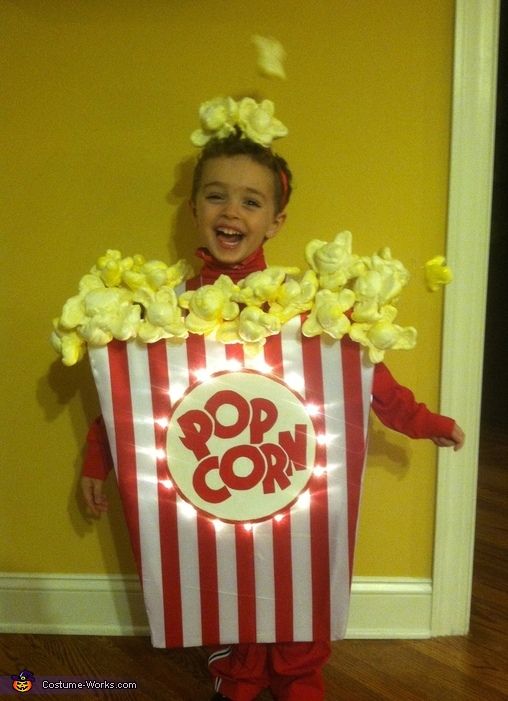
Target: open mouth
{"x":229,"y":237}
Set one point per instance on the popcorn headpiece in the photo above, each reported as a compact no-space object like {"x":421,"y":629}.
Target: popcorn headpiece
{"x":252,"y":120}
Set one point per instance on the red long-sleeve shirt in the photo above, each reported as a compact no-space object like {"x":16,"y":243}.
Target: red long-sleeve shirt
{"x":392,"y":403}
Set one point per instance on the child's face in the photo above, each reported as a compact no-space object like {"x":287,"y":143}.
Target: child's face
{"x":234,"y":208}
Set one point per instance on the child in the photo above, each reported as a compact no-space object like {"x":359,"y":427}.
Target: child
{"x":239,"y":195}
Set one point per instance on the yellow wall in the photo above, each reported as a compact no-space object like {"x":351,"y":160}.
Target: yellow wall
{"x":100,"y":97}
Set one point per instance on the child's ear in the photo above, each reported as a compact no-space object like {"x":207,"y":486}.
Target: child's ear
{"x":277,"y":225}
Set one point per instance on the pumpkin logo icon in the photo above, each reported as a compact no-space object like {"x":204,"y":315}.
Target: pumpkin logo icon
{"x":23,"y":681}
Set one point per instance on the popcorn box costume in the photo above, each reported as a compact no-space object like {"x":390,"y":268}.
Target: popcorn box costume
{"x":279,"y":567}
{"x":239,"y":464}
{"x":237,"y":417}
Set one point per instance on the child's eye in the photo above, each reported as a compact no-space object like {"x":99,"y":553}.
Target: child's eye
{"x":214,"y":196}
{"x":252,"y":203}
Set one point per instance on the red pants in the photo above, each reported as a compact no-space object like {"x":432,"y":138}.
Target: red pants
{"x":292,"y":671}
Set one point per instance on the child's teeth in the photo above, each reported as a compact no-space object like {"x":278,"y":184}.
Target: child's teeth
{"x":229,"y":232}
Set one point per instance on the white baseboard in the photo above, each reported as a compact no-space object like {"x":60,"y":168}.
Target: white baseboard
{"x":64,"y":604}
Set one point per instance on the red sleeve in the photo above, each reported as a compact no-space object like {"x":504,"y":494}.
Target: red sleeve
{"x":397,"y":408}
{"x":98,"y":461}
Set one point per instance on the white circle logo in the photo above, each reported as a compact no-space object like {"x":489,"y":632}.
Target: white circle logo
{"x":241,"y":446}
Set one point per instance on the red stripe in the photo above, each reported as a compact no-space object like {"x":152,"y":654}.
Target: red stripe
{"x":282,"y":567}
{"x":207,"y":545}
{"x":168,"y":521}
{"x":273,"y":355}
{"x":234,"y":351}
{"x":355,"y":443}
{"x":246,"y":584}
{"x":208,"y":582}
{"x":282,"y":559}
{"x":245,"y":567}
{"x":125,"y":442}
{"x":320,"y":550}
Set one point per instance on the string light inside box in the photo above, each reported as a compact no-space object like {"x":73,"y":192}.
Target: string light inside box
{"x":187,"y":509}
{"x":304,"y":500}
{"x":233,"y":365}
{"x":295,"y":381}
{"x":202,"y":374}
{"x":176,"y":391}
{"x":313,"y":409}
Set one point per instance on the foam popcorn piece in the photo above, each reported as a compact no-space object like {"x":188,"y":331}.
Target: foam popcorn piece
{"x":271,"y":56}
{"x":393,"y":275}
{"x":263,"y":285}
{"x":210,"y":305}
{"x":70,"y":345}
{"x":295,"y":296}
{"x":163,"y":318}
{"x":334,"y":261}
{"x":258,"y":123}
{"x":328,"y":314}
{"x":379,"y":284}
{"x":383,"y":335}
{"x":218,"y":118}
{"x":251,"y":328}
{"x":255,"y":325}
{"x":437,"y":273}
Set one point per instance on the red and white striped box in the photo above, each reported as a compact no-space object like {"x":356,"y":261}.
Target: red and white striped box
{"x":240,"y":479}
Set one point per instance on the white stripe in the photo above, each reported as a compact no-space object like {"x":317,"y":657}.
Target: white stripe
{"x":219,"y":655}
{"x":337,"y":485}
{"x":216,"y":656}
{"x":189,"y":573}
{"x":215,"y":356}
{"x":262,"y":536}
{"x":367,"y":382}
{"x":148,"y":505}
{"x":227,"y":583}
{"x":99,"y":362}
{"x":186,"y":518}
{"x":299,"y":515}
{"x":265,"y":581}
{"x":177,"y":370}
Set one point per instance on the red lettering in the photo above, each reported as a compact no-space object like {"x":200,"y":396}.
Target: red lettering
{"x":227,"y":467}
{"x":212,"y":496}
{"x":277,"y":461}
{"x":264,"y":415}
{"x":197,"y":429}
{"x":295,"y":446}
{"x":228,"y":396}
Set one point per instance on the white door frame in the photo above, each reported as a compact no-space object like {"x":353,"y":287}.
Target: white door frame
{"x":469,"y":210}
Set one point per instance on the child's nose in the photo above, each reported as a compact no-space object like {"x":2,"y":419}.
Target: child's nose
{"x":231,"y":208}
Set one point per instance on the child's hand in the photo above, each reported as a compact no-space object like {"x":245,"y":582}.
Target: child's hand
{"x":456,"y":440}
{"x":96,"y":501}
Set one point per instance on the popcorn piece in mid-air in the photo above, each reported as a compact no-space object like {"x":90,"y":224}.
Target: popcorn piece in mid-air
{"x":271,"y":56}
{"x":437,"y":273}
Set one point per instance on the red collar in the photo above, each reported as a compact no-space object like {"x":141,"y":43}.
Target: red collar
{"x":212,"y":268}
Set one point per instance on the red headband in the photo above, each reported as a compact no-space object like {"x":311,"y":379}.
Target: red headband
{"x":284,"y":187}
